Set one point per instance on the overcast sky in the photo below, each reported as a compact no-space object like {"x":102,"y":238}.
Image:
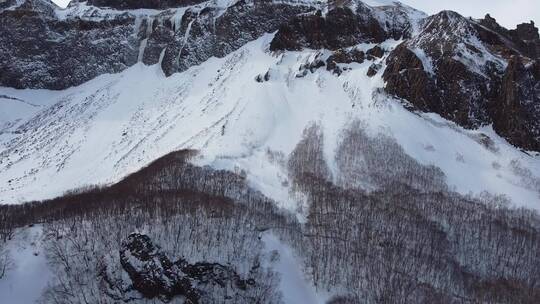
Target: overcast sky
{"x":507,"y":12}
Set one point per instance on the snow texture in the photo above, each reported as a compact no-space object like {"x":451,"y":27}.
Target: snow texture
{"x":111,"y":126}
{"x":30,"y":274}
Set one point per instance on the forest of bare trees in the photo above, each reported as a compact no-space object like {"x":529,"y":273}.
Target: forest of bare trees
{"x":380,"y":228}
{"x":409,"y":239}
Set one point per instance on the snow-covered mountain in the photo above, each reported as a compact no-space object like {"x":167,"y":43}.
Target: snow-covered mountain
{"x":103,"y":130}
{"x":236,"y":108}
{"x":309,"y":103}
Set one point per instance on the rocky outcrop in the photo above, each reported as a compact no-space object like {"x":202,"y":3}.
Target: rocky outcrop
{"x":43,"y":47}
{"x":340,"y":27}
{"x":344,"y":56}
{"x":151,"y":271}
{"x":154,"y":275}
{"x":524,"y":38}
{"x":136,"y":4}
{"x":470,"y":73}
{"x":516,"y":113}
{"x":459,"y":68}
{"x":375,"y":52}
{"x":213,"y":32}
{"x":405,"y":77}
{"x":373,"y":69}
{"x":344,"y":24}
{"x":38,"y":50}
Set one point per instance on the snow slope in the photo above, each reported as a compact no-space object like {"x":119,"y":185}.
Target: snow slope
{"x":28,"y":277}
{"x":294,"y":286}
{"x":100,"y":131}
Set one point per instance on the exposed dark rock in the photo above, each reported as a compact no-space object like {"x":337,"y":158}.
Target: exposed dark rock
{"x":311,"y":66}
{"x":216,"y":33}
{"x":154,"y":275}
{"x":339,"y":28}
{"x":39,"y":51}
{"x":92,"y":43}
{"x":135,"y":4}
{"x":263,"y":78}
{"x":373,"y":69}
{"x":375,"y":52}
{"x":528,"y":38}
{"x":405,"y":77}
{"x":517,"y":110}
{"x":524,"y":38}
{"x":343,"y":56}
{"x":468,"y":82}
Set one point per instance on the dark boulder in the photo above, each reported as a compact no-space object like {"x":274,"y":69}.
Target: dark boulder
{"x":154,"y":275}
{"x":373,"y":69}
{"x":151,"y":271}
{"x":375,"y":52}
{"x":345,"y":57}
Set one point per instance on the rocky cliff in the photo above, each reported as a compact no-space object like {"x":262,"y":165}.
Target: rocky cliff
{"x":473,"y":72}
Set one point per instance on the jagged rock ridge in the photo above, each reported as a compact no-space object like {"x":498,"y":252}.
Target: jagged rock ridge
{"x":473,"y":72}
{"x":89,"y":38}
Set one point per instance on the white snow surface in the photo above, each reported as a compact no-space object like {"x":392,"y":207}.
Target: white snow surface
{"x":293,"y":284}
{"x":376,"y":3}
{"x":25,"y":281}
{"x":99,"y":132}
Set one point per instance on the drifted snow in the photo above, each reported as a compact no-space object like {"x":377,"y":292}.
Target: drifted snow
{"x":294,"y":285}
{"x":25,"y":281}
{"x":111,"y":126}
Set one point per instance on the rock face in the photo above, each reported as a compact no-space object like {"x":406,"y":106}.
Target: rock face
{"x":346,"y":23}
{"x":38,"y":50}
{"x":42,"y":46}
{"x":525,"y":37}
{"x":343,"y":56}
{"x":154,"y":275}
{"x":213,"y":32}
{"x":517,"y":111}
{"x":136,"y":4}
{"x":473,"y":73}
{"x":340,"y":27}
